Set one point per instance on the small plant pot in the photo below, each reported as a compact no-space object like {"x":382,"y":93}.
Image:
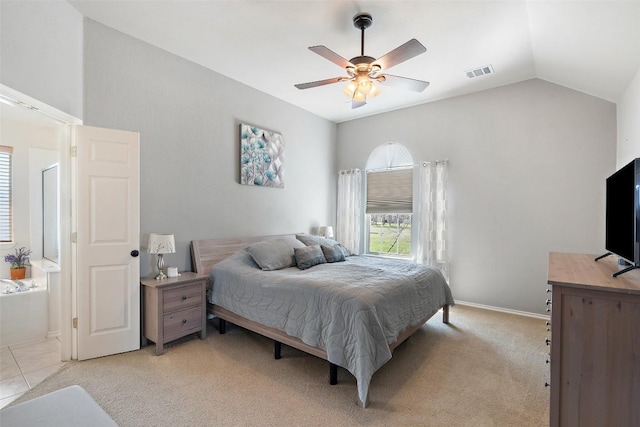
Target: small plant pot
{"x":18,"y":273}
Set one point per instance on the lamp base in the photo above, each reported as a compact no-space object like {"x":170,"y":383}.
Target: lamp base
{"x":161,"y":275}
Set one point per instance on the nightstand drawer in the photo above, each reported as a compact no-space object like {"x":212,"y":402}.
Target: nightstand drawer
{"x":174,"y":299}
{"x":180,"y":323}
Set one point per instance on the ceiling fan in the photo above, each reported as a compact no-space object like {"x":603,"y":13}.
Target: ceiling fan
{"x":364,"y":71}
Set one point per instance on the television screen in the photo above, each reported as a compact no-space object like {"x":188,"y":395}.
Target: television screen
{"x":622,"y":213}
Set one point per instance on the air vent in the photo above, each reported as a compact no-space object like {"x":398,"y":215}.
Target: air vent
{"x":482,"y":71}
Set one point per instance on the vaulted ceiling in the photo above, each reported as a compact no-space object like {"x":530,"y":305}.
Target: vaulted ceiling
{"x":589,"y":46}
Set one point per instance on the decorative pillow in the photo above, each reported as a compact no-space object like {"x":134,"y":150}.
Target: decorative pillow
{"x":344,"y":250}
{"x":308,"y":256}
{"x":332,"y":253}
{"x":275,"y":254}
{"x":311,"y":239}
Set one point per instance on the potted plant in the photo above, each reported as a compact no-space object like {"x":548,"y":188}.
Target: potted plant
{"x":18,"y":262}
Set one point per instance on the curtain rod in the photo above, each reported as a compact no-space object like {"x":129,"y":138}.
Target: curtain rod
{"x":424,"y":163}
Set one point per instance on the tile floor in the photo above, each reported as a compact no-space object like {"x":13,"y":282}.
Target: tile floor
{"x":23,"y":366}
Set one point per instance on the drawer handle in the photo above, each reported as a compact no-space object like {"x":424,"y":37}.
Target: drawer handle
{"x":184,"y":297}
{"x":184,"y":321}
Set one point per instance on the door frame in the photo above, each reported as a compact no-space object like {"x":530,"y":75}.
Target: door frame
{"x":67,"y":290}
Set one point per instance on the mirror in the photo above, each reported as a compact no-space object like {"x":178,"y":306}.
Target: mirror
{"x":50,"y":213}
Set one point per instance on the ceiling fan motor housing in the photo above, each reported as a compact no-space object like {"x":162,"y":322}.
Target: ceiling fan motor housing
{"x":358,"y":60}
{"x":362,"y":21}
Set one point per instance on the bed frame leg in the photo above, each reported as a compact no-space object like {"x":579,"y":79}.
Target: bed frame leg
{"x":223,"y":326}
{"x":445,"y":314}
{"x":277,"y":348}
{"x":333,"y":373}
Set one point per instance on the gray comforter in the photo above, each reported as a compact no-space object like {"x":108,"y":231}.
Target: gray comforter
{"x":352,"y":309}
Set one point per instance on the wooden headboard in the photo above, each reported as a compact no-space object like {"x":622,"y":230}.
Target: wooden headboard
{"x":207,"y":253}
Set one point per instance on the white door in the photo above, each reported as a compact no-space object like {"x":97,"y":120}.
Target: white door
{"x":107,"y":269}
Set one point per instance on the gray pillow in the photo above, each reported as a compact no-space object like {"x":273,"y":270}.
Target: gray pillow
{"x":311,"y":239}
{"x":308,"y":256}
{"x":332,"y":253}
{"x":275,"y":254}
{"x":344,"y":250}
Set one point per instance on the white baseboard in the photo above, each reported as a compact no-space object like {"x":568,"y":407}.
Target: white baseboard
{"x":504,"y":310}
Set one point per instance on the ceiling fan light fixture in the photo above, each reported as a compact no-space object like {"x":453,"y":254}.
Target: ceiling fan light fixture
{"x":359,"y":97}
{"x":360,"y":90}
{"x":350,"y":89}
{"x":375,"y":90}
{"x":363,"y":70}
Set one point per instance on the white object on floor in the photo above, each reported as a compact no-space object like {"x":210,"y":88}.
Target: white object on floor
{"x":70,"y":406}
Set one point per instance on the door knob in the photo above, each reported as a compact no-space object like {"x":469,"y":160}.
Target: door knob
{"x":135,"y":253}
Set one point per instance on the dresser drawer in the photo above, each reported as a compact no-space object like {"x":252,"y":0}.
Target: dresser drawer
{"x":175,"y":299}
{"x":181,"y":323}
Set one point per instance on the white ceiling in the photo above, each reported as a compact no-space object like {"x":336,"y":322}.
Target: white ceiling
{"x":589,"y":46}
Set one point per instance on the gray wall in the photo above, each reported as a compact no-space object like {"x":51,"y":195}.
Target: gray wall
{"x":41,"y":45}
{"x":628,"y":123}
{"x":527,"y":168}
{"x":188,"y":118}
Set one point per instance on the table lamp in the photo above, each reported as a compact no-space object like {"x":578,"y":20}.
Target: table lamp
{"x":161,"y":244}
{"x":326,"y":231}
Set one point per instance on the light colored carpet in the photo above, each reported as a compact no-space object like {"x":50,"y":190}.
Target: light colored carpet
{"x":483,"y":369}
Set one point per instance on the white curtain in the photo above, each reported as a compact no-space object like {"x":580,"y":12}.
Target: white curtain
{"x":349,"y":209}
{"x":432,"y":216}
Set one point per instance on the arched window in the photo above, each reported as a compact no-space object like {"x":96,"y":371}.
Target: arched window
{"x":389,"y":200}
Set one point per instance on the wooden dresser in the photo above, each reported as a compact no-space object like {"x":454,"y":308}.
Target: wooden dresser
{"x":595,"y":342}
{"x":173,"y":308}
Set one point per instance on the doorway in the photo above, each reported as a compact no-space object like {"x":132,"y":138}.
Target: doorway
{"x":44,"y":128}
{"x":39,"y":135}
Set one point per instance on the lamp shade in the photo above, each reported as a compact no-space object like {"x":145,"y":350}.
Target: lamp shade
{"x":326,"y":231}
{"x":161,"y":244}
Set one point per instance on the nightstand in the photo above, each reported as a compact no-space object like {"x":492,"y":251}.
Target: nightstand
{"x":173,"y":308}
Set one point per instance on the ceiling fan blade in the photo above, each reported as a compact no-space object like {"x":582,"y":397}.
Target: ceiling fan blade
{"x":403,"y":82}
{"x":327,"y":53}
{"x":357,"y":104}
{"x":320,"y":83}
{"x":400,"y":54}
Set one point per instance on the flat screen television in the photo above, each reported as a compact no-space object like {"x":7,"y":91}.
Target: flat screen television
{"x":623,"y":215}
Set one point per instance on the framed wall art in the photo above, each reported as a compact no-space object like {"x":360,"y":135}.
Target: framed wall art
{"x":261,"y":157}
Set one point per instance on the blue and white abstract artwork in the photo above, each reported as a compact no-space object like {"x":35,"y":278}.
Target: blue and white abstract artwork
{"x":261,"y":157}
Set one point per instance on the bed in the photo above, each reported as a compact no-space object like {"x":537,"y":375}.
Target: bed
{"x":352,"y":312}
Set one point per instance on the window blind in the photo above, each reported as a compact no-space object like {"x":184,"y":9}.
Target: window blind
{"x":6,"y":220}
{"x":390,"y":191}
